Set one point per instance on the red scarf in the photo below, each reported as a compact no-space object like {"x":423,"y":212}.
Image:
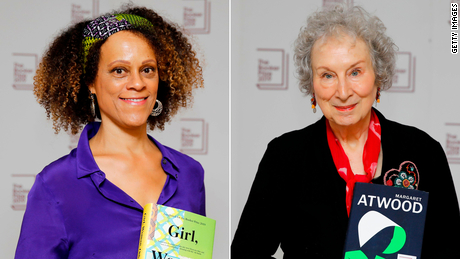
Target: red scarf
{"x":370,"y":157}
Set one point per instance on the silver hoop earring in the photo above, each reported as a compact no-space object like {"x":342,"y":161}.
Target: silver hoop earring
{"x":156,"y":111}
{"x":93,"y":106}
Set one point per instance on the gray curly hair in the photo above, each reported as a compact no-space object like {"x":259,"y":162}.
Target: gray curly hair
{"x":356,"y":23}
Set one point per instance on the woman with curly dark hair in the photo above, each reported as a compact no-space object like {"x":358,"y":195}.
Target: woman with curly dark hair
{"x":132,"y":70}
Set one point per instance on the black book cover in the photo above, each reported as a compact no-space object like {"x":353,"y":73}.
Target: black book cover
{"x":385,"y":223}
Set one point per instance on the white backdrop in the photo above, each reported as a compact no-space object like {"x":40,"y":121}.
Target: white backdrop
{"x":28,"y":142}
{"x":266,"y":100}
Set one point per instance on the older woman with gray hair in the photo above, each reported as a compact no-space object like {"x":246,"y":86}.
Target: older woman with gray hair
{"x":301,"y":196}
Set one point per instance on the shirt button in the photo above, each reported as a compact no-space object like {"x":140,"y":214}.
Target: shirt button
{"x":164,"y":161}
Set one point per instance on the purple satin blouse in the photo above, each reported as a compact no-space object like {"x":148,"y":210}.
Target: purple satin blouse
{"x":73,"y":211}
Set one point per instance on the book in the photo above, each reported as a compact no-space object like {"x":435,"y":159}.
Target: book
{"x":170,"y":233}
{"x":385,"y":223}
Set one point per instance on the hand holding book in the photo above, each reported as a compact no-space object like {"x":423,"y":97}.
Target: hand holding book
{"x":170,"y":233}
{"x":386,"y":222}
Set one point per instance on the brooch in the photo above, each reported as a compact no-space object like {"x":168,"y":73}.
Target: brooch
{"x":406,"y":177}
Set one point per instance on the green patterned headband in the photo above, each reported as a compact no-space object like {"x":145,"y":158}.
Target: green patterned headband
{"x":102,"y":27}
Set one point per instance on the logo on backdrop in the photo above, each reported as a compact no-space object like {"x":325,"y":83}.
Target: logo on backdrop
{"x":272,"y":69}
{"x":329,"y":3}
{"x":452,"y":143}
{"x":194,"y":136}
{"x":404,"y":78}
{"x":84,"y":10}
{"x":197,"y":16}
{"x":21,"y":187}
{"x":24,"y":66}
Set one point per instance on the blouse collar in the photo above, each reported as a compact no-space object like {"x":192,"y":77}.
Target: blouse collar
{"x":86,"y":164}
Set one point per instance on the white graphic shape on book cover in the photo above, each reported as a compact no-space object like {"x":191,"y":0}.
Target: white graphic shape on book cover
{"x":372,"y":223}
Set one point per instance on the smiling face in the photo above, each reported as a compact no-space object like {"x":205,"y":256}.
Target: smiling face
{"x":343,"y":80}
{"x":127,"y":80}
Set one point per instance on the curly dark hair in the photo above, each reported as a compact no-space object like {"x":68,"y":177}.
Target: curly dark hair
{"x":61,"y":87}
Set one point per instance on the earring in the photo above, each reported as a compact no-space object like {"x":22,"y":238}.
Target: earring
{"x":156,"y":111}
{"x":313,"y":103}
{"x":93,"y":106}
{"x":377,"y":98}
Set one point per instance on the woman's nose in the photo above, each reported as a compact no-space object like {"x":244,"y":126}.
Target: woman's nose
{"x":343,"y":88}
{"x":136,"y":81}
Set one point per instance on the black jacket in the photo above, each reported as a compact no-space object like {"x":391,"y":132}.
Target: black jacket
{"x":297,"y":199}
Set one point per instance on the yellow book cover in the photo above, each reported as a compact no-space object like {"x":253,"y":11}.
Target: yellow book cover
{"x":170,"y":233}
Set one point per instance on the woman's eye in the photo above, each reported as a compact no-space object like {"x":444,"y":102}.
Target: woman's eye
{"x":149,"y":70}
{"x":355,"y":73}
{"x":118,"y":71}
{"x":327,"y":76}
